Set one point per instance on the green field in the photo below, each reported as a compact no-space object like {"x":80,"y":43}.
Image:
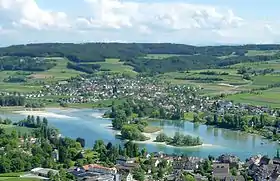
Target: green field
{"x":274,"y":64}
{"x":10,"y":128}
{"x":57,"y":73}
{"x":261,"y":52}
{"x":18,"y":179}
{"x":35,"y":79}
{"x":265,"y":98}
{"x":15,"y":177}
{"x":264,"y":80}
{"x":115,"y":66}
{"x":230,"y":83}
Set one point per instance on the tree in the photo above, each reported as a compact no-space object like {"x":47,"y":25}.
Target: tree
{"x":234,"y":171}
{"x":51,"y":175}
{"x":162,"y":137}
{"x":139,"y":174}
{"x":109,"y":146}
{"x":188,"y":177}
{"x":38,"y":121}
{"x":131,"y":132}
{"x":81,"y":141}
{"x":45,"y":121}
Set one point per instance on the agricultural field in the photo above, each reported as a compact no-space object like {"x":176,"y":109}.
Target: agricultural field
{"x":273,"y":64}
{"x":57,"y":73}
{"x":261,"y":52}
{"x":115,"y":66}
{"x":36,"y":79}
{"x":269,"y":98}
{"x":231,"y":82}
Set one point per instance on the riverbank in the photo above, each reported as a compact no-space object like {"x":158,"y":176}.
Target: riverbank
{"x":44,"y":114}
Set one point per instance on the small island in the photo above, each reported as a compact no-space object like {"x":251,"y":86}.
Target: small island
{"x":178,"y":140}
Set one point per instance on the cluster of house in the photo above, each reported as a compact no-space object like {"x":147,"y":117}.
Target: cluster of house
{"x":94,"y":89}
{"x":258,"y":167}
{"x":264,"y":168}
{"x":124,"y":167}
{"x":224,"y":105}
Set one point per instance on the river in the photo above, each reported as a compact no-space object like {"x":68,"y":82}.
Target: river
{"x":89,"y":124}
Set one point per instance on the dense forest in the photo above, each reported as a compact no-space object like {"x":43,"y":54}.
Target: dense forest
{"x":25,"y":63}
{"x":185,"y":56}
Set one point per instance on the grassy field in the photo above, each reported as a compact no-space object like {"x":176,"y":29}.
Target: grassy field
{"x":35,"y":79}
{"x":261,"y":52}
{"x":275,"y":64}
{"x":115,"y":66}
{"x":230,"y":83}
{"x":10,"y":128}
{"x":15,"y":177}
{"x":57,"y":73}
{"x":265,"y":98}
{"x":151,"y":129}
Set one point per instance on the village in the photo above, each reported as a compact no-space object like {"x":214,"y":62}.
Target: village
{"x":107,"y":87}
{"x":225,"y":167}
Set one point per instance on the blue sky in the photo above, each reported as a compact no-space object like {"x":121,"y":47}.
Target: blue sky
{"x":198,"y":22}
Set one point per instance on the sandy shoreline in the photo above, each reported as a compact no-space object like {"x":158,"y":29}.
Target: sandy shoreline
{"x":44,"y":114}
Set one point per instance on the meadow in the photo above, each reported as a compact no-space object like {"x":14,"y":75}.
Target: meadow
{"x":10,"y":128}
{"x":115,"y":66}
{"x":268,"y":98}
{"x":36,"y":79}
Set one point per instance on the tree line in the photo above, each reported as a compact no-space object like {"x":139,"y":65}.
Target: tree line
{"x":12,"y":100}
{"x":96,"y":52}
{"x":179,"y":140}
{"x":25,"y":64}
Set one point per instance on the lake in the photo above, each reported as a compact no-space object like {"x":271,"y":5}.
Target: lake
{"x":88,"y":124}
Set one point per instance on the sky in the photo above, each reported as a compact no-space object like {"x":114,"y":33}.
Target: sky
{"x":196,"y":22}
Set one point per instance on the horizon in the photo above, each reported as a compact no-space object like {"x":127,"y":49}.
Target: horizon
{"x":189,"y":22}
{"x":78,"y":43}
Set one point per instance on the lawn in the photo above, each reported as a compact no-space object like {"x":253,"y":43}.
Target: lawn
{"x":265,"y":98}
{"x":15,"y":177}
{"x":18,"y":179}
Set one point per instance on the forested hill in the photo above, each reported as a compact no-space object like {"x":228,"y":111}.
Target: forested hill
{"x":181,"y":57}
{"x":100,"y":51}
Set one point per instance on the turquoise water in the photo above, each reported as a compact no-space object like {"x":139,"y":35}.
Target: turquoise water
{"x":88,"y":124}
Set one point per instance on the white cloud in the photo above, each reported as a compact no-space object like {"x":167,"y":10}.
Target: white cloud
{"x":131,"y":21}
{"x":162,"y":15}
{"x":26,"y":13}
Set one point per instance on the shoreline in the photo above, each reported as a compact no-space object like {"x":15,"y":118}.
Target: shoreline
{"x":43,"y":114}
